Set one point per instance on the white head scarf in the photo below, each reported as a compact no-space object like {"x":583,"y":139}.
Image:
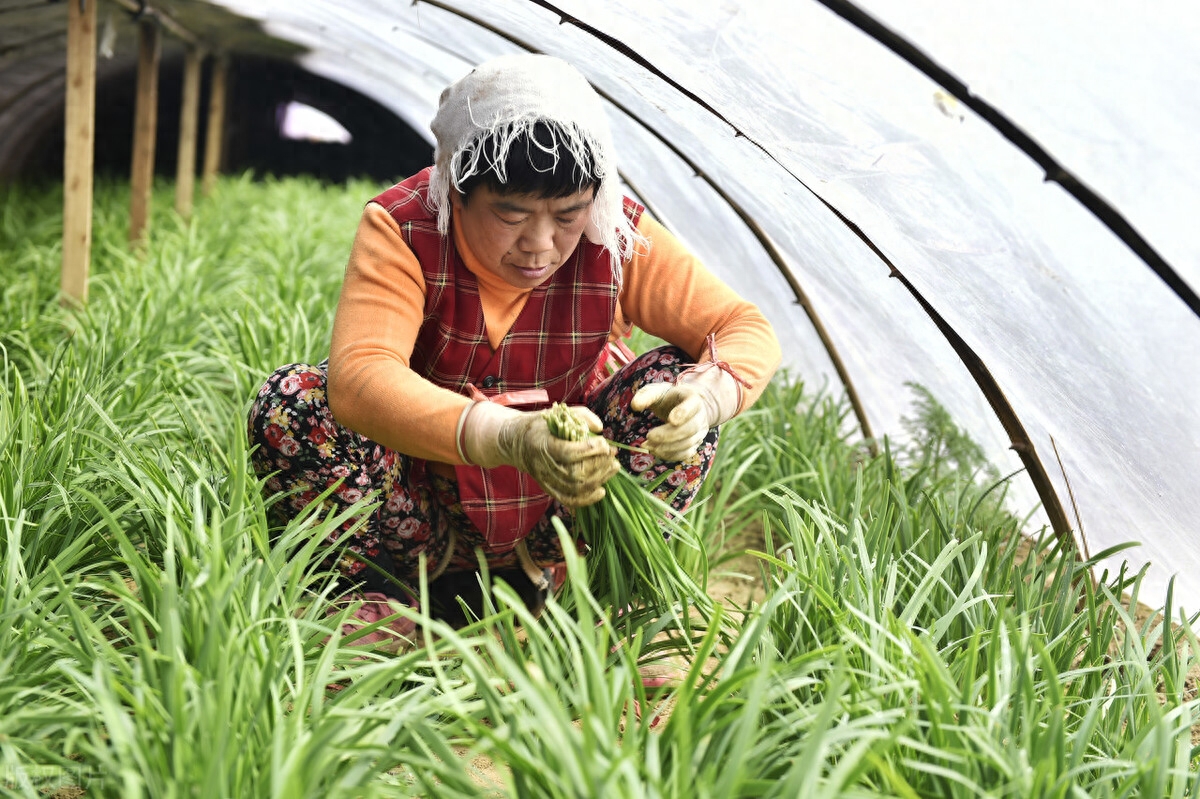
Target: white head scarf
{"x":505,"y":97}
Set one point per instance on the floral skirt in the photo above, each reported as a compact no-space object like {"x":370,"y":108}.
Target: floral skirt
{"x":302,"y":452}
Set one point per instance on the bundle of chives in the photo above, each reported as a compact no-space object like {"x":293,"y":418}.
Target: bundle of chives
{"x":630,"y":558}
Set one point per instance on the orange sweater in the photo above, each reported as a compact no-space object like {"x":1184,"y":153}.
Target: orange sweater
{"x":667,"y":292}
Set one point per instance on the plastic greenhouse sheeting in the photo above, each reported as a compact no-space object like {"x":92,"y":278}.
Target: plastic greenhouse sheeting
{"x":793,"y":109}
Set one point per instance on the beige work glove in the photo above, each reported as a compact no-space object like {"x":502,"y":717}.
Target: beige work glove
{"x":700,"y":399}
{"x":573,"y":472}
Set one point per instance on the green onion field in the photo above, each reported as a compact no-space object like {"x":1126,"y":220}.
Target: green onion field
{"x":880,"y":625}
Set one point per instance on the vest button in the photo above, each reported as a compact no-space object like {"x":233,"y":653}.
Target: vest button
{"x":490,"y":381}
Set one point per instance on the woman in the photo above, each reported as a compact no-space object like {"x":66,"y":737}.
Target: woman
{"x":477,"y":292}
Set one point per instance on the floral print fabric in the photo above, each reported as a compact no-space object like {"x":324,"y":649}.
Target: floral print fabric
{"x":301,"y":452}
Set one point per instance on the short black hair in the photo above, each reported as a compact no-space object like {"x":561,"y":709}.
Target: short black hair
{"x":537,"y":162}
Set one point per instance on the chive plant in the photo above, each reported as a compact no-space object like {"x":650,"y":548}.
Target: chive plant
{"x":154,"y":641}
{"x":1020,"y":675}
{"x":159,"y":638}
{"x":628,"y":532}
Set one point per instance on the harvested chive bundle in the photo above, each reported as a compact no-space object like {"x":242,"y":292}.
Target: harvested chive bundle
{"x":564,"y":424}
{"x":630,"y":558}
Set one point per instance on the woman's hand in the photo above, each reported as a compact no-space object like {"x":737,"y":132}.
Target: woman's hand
{"x":573,"y":472}
{"x":699,"y":400}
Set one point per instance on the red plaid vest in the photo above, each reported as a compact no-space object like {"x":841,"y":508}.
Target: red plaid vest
{"x":557,"y":343}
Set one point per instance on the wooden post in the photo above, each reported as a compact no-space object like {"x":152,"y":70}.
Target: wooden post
{"x":145,"y":130}
{"x":79,"y":149}
{"x":213,"y":138}
{"x":185,"y":171}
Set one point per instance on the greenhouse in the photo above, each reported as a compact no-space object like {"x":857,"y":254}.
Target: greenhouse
{"x":949,"y":551}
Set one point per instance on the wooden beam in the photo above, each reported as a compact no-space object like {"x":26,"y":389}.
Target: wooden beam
{"x":214,"y":137}
{"x":79,"y":150}
{"x":145,"y":130}
{"x":185,"y":171}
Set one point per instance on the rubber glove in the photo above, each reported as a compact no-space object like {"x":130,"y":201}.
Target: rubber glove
{"x":700,"y":399}
{"x":573,"y":472}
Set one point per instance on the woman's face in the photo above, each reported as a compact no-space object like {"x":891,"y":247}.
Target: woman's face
{"x":522,"y":238}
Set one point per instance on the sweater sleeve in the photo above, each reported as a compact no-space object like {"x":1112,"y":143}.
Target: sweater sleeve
{"x":371,"y":388}
{"x":670,"y":294}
